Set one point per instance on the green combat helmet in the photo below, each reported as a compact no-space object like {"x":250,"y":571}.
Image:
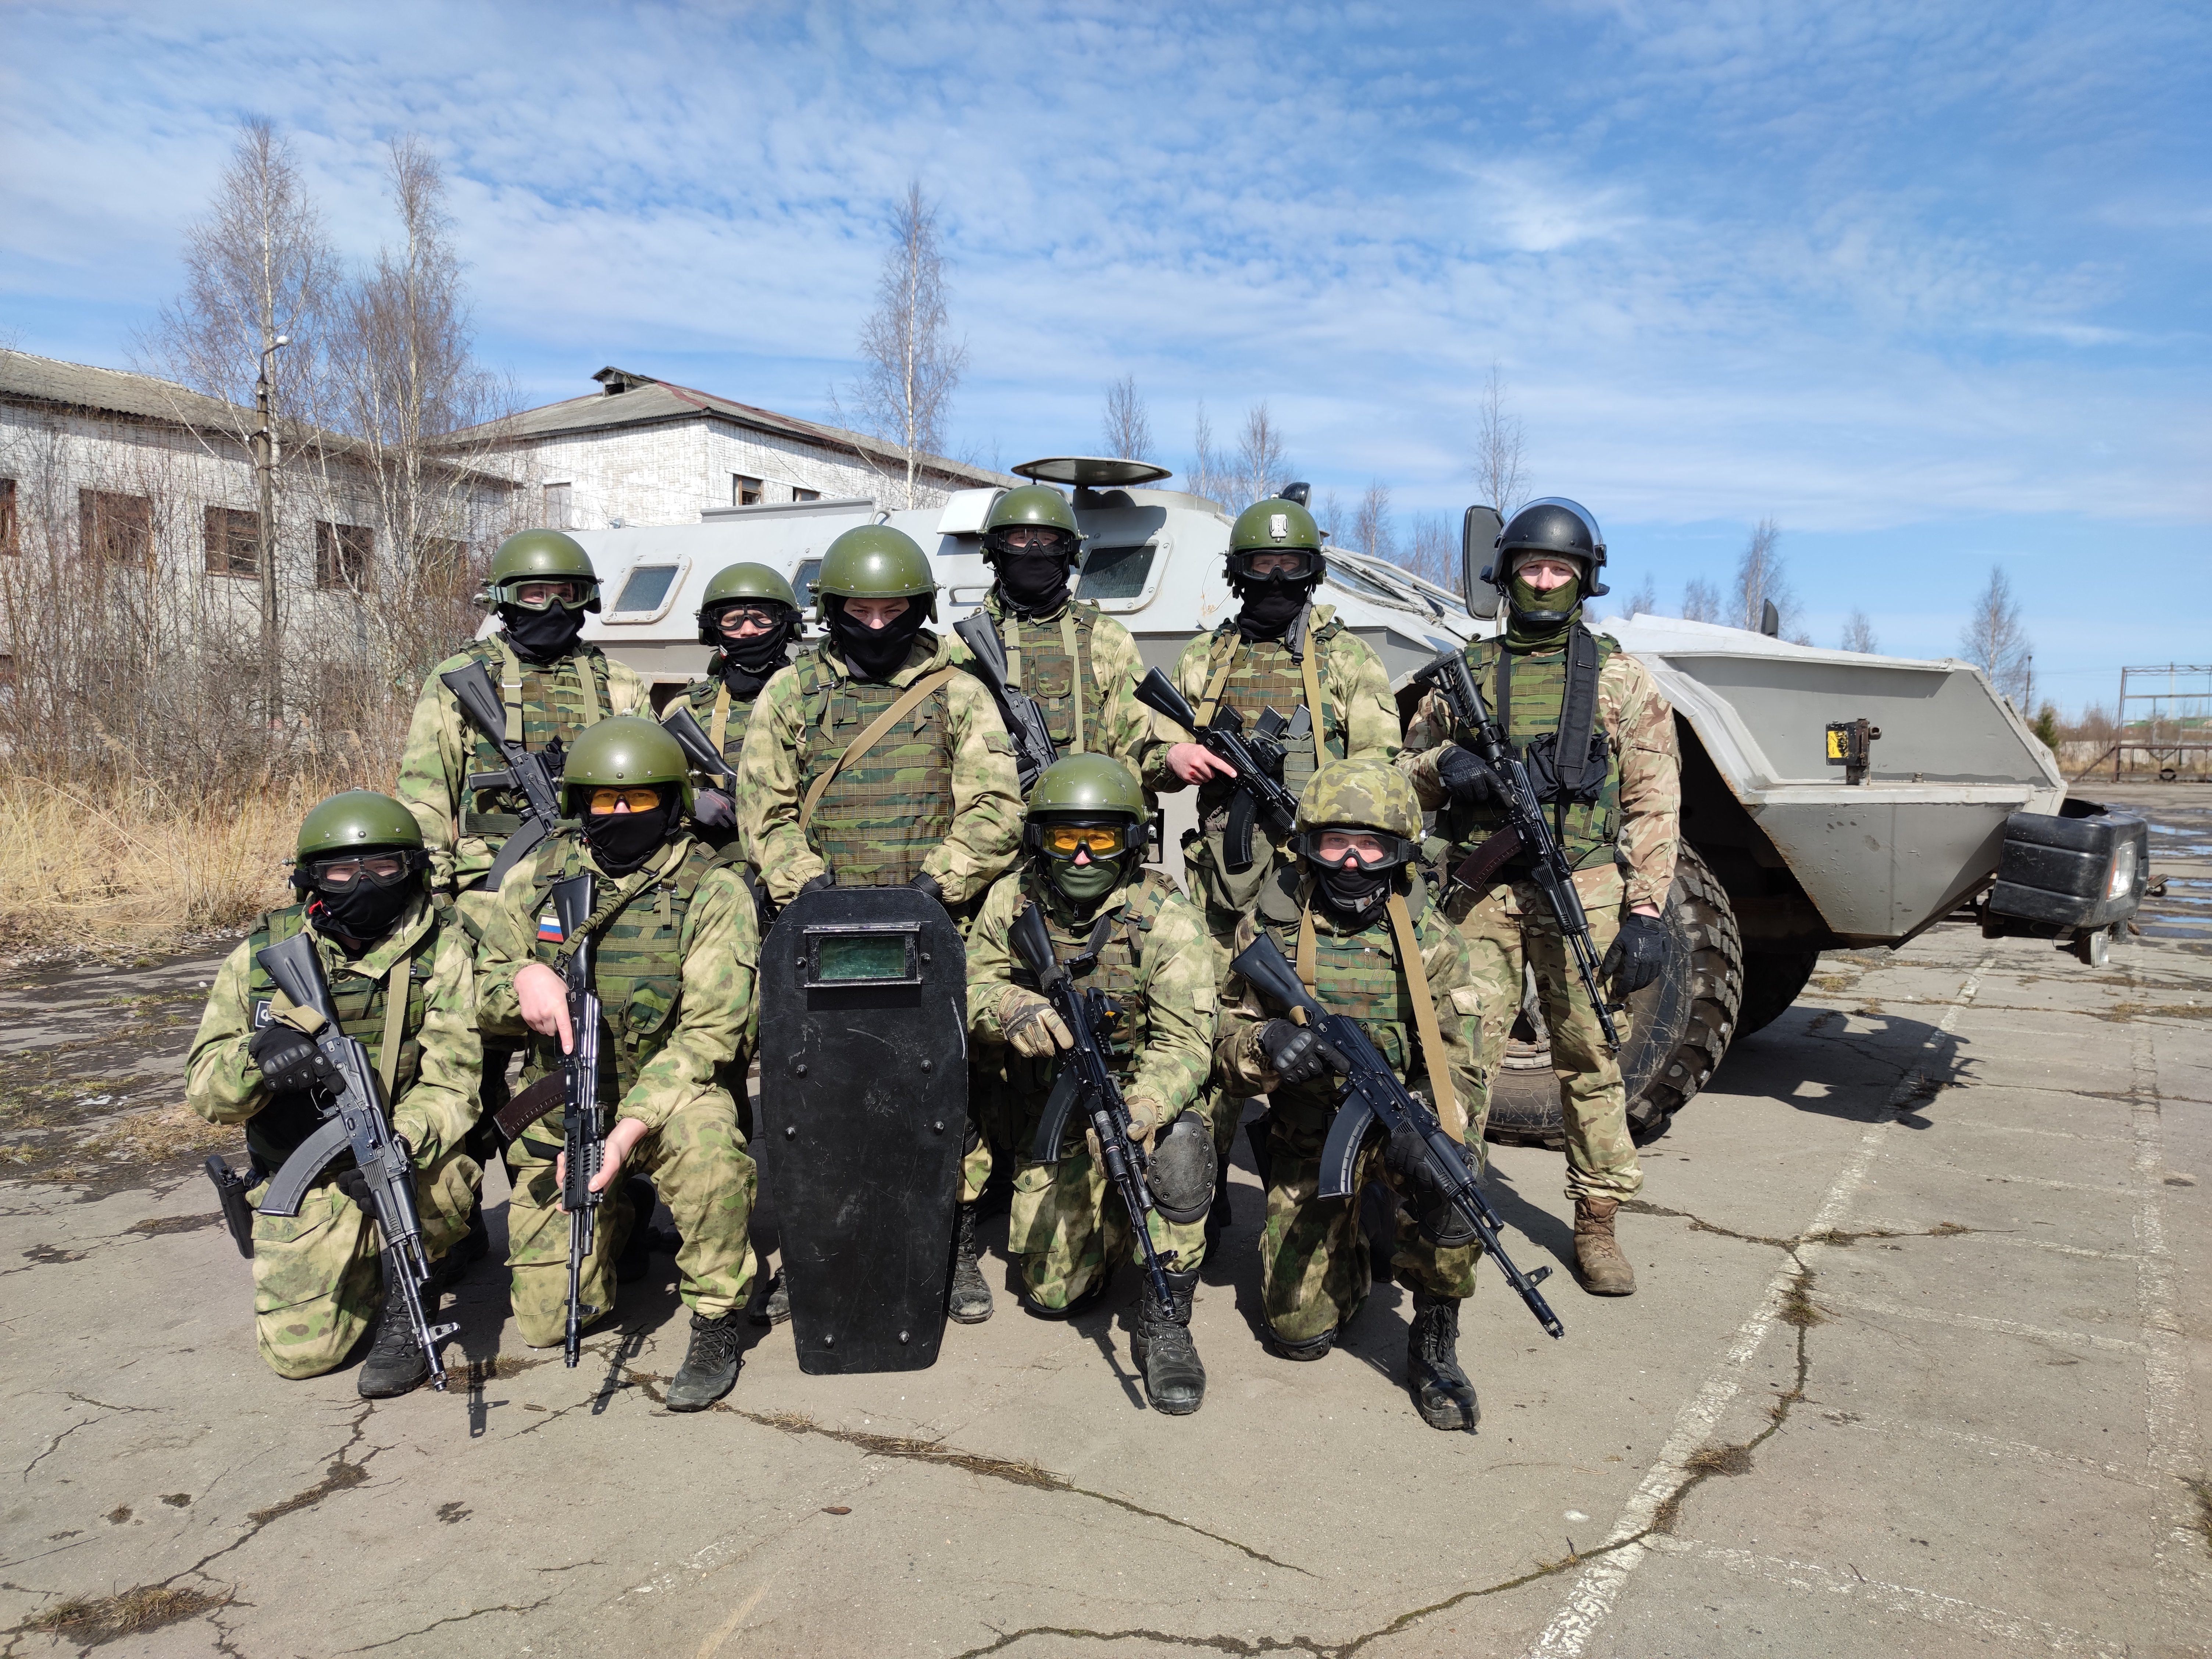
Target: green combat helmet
{"x":1091,"y":803}
{"x":625,"y":752}
{"x":875,"y":562}
{"x":1367,"y":794}
{"x":540,"y":555}
{"x":741,"y":582}
{"x":1274,"y":526}
{"x":1033,"y":505}
{"x":354,"y":822}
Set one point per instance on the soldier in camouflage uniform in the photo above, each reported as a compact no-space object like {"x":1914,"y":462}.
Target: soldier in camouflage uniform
{"x":1280,"y":651}
{"x":676,"y":958}
{"x":1352,"y":915}
{"x":1599,"y":742}
{"x":1127,"y":932}
{"x":751,"y":616}
{"x":931,"y":801}
{"x":400,"y":973}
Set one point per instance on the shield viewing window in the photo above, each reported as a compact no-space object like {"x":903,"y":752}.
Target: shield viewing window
{"x":838,"y":957}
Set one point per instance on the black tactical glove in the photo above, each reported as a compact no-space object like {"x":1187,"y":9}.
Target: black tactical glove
{"x":821,"y":883}
{"x":1405,"y":1159}
{"x":288,"y":1059}
{"x":1294,"y":1052}
{"x":926,"y":884}
{"x":712,"y":809}
{"x":1638,"y":954}
{"x":1467,"y":779}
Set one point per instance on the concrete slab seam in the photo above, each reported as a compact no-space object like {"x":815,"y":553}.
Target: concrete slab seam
{"x":2019,"y":1448}
{"x":1877,"y":1308}
{"x":1595,"y":1594}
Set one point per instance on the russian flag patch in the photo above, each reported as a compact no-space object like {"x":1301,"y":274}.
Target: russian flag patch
{"x":549,"y":929}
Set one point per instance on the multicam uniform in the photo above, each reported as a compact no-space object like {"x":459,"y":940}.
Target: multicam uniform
{"x":1314,"y":1270}
{"x":1631,"y":826}
{"x":676,"y":955}
{"x":1145,"y":948}
{"x":315,"y":1276}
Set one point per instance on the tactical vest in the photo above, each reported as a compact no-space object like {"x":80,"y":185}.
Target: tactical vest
{"x":638,"y":968}
{"x":1354,"y":974}
{"x":882,"y":814}
{"x":1050,"y":659}
{"x":275,"y":1132}
{"x":711,"y":704}
{"x":1264,"y":675}
{"x":548,"y":701}
{"x":1118,"y":969}
{"x":1586,"y":830}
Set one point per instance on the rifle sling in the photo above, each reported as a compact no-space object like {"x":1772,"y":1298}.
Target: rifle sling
{"x":908,"y":702}
{"x":395,"y":1030}
{"x":1478,"y":869}
{"x":721,"y":723}
{"x":1433,"y":1052}
{"x":533,"y":1104}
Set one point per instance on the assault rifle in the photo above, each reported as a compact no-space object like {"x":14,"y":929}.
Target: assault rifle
{"x":1258,"y":760}
{"x":1525,"y":829}
{"x":535,"y":777}
{"x":1373,"y":1095}
{"x":1033,"y":744}
{"x":683,"y":725}
{"x":1085,"y":1076}
{"x":356,"y":1119}
{"x":584,"y":1140}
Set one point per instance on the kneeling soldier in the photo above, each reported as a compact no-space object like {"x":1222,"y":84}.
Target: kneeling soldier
{"x":400,"y":970}
{"x":1125,"y":931}
{"x":676,"y":952}
{"x":1352,"y":915}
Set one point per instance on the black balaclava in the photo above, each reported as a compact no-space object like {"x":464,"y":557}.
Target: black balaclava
{"x":364,"y":912}
{"x":620,"y":841}
{"x":1270,"y":607}
{"x":544,"y":636}
{"x":746,"y":665}
{"x":877,"y":653}
{"x":1033,"y":583}
{"x":1353,"y":891}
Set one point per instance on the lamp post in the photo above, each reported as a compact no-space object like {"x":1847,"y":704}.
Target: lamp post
{"x":265,"y":471}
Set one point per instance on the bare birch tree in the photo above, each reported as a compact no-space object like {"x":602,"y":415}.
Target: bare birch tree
{"x":1644,"y":601}
{"x":1996,"y":642}
{"x":1500,"y":474}
{"x":1761,"y":579}
{"x":1701,"y":601}
{"x":1261,"y":460}
{"x":910,"y":363}
{"x":1372,"y":531}
{"x":1208,"y":475}
{"x":1433,"y":554}
{"x":1858,"y":634}
{"x":1127,"y":427}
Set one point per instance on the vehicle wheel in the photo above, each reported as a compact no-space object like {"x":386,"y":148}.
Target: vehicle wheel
{"x":1771,"y":981}
{"x":1678,"y":1025}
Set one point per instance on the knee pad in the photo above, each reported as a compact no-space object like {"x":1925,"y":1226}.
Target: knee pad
{"x":1182,"y":1170}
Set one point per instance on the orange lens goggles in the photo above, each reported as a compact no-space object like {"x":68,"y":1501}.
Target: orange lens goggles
{"x":638,"y":801}
{"x":1062,"y":840}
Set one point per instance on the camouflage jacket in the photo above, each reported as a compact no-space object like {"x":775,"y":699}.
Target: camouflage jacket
{"x":1156,"y":964}
{"x":434,"y":1112}
{"x":690,"y":1024}
{"x":1114,"y":722}
{"x":1638,"y":725}
{"x":983,"y":812}
{"x":1357,"y":973}
{"x":443,"y":748}
{"x":705,"y":697}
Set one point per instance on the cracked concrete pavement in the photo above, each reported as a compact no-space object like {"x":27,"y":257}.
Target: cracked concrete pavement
{"x":1913,"y":1369}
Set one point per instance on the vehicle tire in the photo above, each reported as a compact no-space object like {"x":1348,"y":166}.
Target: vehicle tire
{"x":1771,"y":981}
{"x":1680,"y":1024}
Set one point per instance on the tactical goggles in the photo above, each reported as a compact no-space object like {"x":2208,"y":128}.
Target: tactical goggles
{"x":1375,"y":850}
{"x":602,"y":801}
{"x":764,"y":617}
{"x":1064,"y":840}
{"x":570,"y":593}
{"x":1289,"y":564}
{"x":340,"y":874}
{"x":1035,"y":538}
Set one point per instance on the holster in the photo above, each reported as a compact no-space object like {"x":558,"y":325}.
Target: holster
{"x":230,"y":1190}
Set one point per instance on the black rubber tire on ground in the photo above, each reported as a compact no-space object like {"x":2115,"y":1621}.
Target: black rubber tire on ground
{"x":1680,"y":1024}
{"x":1771,"y":981}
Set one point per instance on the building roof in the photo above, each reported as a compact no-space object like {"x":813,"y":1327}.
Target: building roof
{"x":629,"y":399}
{"x":112,"y":392}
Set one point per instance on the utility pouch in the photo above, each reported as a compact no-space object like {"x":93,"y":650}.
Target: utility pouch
{"x":1541,"y":759}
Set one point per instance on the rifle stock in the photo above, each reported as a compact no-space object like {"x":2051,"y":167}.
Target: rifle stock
{"x":1034,"y":748}
{"x":698,"y":748}
{"x":535,"y":776}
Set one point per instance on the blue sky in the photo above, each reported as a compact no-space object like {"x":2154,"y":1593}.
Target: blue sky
{"x":1925,"y":284}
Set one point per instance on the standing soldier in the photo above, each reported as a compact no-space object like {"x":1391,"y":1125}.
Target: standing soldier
{"x":1280,"y":651}
{"x":1598,"y":741}
{"x":401,"y":975}
{"x":1352,"y":915}
{"x":675,"y":965}
{"x":1127,"y":931}
{"x":875,"y":760}
{"x":751,"y":616}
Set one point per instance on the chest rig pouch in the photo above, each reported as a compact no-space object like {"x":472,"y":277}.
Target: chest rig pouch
{"x":1107,"y":956}
{"x":1566,"y":767}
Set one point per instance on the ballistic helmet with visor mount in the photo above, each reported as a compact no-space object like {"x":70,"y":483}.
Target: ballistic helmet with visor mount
{"x":1277,"y":525}
{"x":1556,"y":528}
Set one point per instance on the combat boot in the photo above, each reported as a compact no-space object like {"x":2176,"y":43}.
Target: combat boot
{"x":969,"y":1303}
{"x":1175,"y":1380}
{"x":1441,"y":1391}
{"x":710,"y":1368}
{"x":1599,"y":1262}
{"x":775,"y":1309}
{"x":396,"y":1363}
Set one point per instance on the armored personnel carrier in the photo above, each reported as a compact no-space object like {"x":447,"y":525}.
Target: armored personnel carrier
{"x":1830,"y":799}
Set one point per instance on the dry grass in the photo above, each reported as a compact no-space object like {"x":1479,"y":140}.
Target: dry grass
{"x":103,"y":1619}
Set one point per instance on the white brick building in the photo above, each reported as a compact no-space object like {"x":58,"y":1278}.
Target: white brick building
{"x":646,"y":451}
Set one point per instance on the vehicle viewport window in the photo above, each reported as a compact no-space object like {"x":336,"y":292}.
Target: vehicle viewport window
{"x":1116,"y":573}
{"x":802,"y":580}
{"x":645,"y":590}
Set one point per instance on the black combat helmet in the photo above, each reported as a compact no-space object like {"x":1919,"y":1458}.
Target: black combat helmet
{"x":1557,"y":526}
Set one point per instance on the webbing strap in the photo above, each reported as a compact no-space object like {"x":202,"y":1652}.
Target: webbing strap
{"x":510,"y":687}
{"x":1009,"y":636}
{"x":590,"y":682}
{"x":1074,"y":672}
{"x":1315,"y":706}
{"x":1577,"y":709}
{"x":1424,"y":1018}
{"x":1225,"y":663}
{"x":1306,"y":953}
{"x":395,"y":1027}
{"x":721,"y":720}
{"x":909,"y":701}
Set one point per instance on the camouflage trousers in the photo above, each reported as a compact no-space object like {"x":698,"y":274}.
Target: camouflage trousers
{"x":1511,"y":925}
{"x":1069,"y":1225}
{"x":1313,"y":1271}
{"x":698,"y":1163}
{"x":316,"y":1281}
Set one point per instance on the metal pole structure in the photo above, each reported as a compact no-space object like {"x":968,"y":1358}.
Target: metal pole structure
{"x":264,"y":469}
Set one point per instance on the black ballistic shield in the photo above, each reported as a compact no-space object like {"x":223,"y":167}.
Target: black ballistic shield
{"x":864,"y":1111}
